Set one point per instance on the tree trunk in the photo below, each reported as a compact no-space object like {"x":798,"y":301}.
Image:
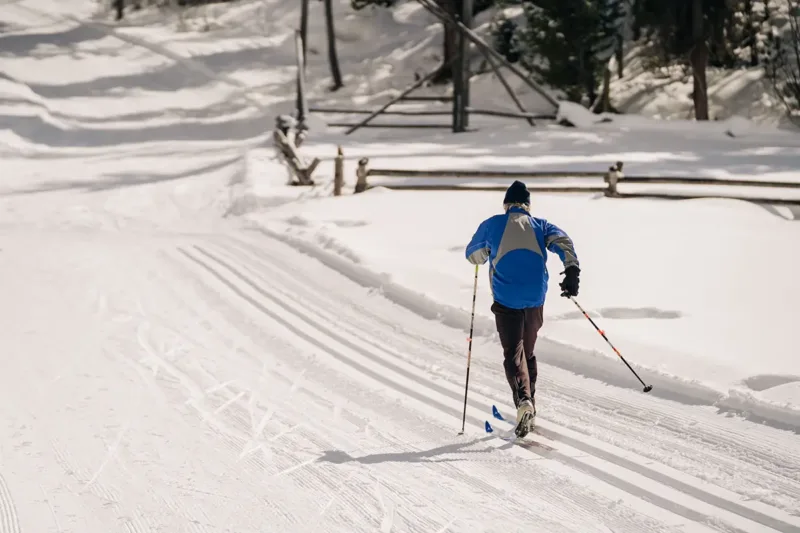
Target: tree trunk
{"x":301,"y":68}
{"x":606,"y":96}
{"x":751,"y":32}
{"x":450,"y":44}
{"x":304,"y":26}
{"x":699,"y":60}
{"x":720,"y":43}
{"x":638,"y":8}
{"x":730,"y":31}
{"x":120,"y":5}
{"x":333,"y":58}
{"x":467,"y":11}
{"x":587,"y":72}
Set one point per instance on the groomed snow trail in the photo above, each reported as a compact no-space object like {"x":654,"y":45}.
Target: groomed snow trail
{"x":213,"y":381}
{"x":168,"y":370}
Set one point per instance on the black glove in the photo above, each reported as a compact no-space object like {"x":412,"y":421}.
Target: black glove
{"x":569,"y":286}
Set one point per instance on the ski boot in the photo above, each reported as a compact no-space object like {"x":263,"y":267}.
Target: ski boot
{"x":525,"y":413}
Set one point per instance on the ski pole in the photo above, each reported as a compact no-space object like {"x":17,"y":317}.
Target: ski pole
{"x":469,"y":350}
{"x":647,"y":388}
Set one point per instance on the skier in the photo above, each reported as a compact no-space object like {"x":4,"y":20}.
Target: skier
{"x":514,"y":243}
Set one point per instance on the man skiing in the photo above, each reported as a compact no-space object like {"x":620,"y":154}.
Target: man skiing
{"x":514,"y":243}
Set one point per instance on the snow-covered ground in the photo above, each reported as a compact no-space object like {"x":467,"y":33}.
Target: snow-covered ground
{"x":683,"y":286}
{"x":702,"y":291}
{"x":190,"y":345}
{"x":667,"y":93}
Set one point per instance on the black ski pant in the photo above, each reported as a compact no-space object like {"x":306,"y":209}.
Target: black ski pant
{"x":518,"y":330}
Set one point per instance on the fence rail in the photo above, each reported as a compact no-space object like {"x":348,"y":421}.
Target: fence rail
{"x":395,"y":126}
{"x":611,"y":179}
{"x":433,"y":113}
{"x":677,"y":180}
{"x":489,"y":174}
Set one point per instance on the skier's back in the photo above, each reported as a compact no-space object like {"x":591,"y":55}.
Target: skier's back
{"x":515,"y":245}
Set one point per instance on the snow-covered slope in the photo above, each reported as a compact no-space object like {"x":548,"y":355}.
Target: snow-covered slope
{"x":670,"y":281}
{"x":165,"y":368}
{"x":382,"y":49}
{"x":667,"y":93}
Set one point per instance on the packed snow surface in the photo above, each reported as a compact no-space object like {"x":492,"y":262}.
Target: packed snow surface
{"x":191,"y":345}
{"x":702,"y":290}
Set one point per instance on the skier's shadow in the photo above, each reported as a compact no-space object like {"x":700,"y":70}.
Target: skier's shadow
{"x":433,"y":455}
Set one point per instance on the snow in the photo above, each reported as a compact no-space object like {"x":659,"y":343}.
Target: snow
{"x":668,"y":287}
{"x":576,"y":115}
{"x":667,"y":92}
{"x":192,"y":345}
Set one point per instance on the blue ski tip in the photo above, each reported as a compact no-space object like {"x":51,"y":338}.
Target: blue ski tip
{"x":496,"y":413}
{"x":488,"y":427}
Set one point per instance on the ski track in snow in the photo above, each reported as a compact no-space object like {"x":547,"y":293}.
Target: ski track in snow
{"x":781,"y":460}
{"x":9,"y":523}
{"x":696,"y":492}
{"x":301,"y":469}
{"x":228,"y":382}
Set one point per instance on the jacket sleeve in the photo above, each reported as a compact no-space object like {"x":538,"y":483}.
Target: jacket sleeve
{"x":478,"y":249}
{"x":557,"y":241}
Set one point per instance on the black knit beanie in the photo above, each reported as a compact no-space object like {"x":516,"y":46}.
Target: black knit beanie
{"x":517,"y":193}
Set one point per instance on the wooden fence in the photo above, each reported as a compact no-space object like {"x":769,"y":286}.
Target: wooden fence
{"x":607,"y":183}
{"x":421,"y":113}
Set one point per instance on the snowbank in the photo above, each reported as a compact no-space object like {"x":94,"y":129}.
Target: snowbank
{"x":671,"y":282}
{"x":381,"y":52}
{"x":667,"y":93}
{"x":576,"y":115}
{"x":647,"y":147}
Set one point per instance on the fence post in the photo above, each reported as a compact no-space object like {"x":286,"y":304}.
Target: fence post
{"x":338,"y":172}
{"x":361,"y":175}
{"x":612,"y":177}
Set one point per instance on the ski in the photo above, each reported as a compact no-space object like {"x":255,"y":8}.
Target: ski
{"x":528,"y":420}
{"x":515,"y":431}
{"x":510,"y":435}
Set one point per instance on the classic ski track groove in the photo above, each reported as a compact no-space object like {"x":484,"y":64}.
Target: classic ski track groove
{"x":9,"y":522}
{"x":554,"y":433}
{"x":367,"y":371}
{"x":769,"y":460}
{"x":379,"y":340}
{"x":714,"y":445}
{"x":233,"y":438}
{"x":149,"y":325}
{"x":559,"y":502}
{"x":731,"y":439}
{"x":356,"y":498}
{"x":265,"y":261}
{"x":673,"y":420}
{"x":724,"y":503}
{"x":111,"y":497}
{"x":695,"y":493}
